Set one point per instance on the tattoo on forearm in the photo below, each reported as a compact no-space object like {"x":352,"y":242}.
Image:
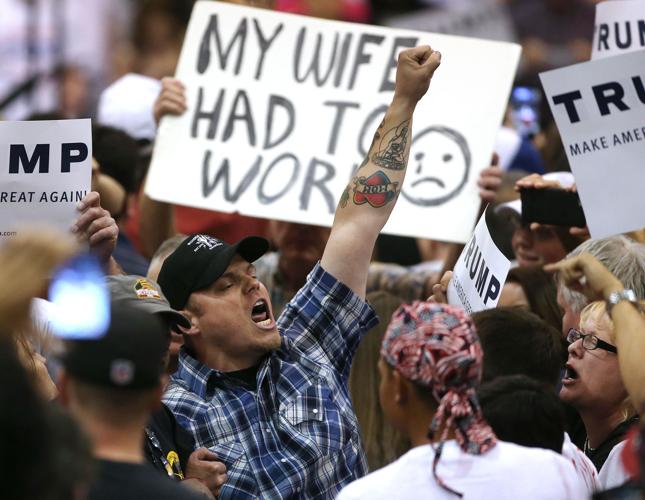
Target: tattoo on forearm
{"x":377,"y":137}
{"x":392,"y":147}
{"x":377,"y":190}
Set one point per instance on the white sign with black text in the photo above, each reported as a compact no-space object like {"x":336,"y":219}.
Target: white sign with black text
{"x":599,"y":107}
{"x":619,"y":28}
{"x":480,"y":272}
{"x":45,"y":170}
{"x":282,"y":109}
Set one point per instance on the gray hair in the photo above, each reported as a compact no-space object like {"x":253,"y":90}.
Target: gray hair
{"x":625,"y":259}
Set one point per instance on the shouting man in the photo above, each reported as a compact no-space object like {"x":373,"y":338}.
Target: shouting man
{"x":269,"y":398}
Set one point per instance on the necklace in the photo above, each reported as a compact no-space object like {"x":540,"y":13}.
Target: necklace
{"x":588,"y":449}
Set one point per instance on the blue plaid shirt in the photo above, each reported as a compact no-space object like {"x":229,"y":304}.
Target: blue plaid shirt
{"x":296,"y":436}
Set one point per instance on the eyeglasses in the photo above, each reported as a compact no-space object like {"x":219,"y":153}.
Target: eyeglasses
{"x":589,"y":342}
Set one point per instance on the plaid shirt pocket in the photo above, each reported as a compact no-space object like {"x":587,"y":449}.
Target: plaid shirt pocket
{"x":312,"y":415}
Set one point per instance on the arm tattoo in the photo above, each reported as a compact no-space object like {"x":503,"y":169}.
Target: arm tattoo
{"x":377,"y":190}
{"x":377,"y":137}
{"x":391,"y":153}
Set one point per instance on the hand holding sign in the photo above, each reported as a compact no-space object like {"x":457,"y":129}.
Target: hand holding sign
{"x":171,"y":99}
{"x":96,"y":226}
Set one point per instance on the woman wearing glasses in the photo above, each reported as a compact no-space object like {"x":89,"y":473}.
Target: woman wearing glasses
{"x":593,"y":385}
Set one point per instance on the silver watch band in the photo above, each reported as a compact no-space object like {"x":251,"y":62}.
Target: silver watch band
{"x":616,"y":297}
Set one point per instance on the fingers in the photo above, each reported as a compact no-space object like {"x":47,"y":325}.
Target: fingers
{"x":439,"y":290}
{"x":170,"y":83}
{"x":581,"y":232}
{"x":171,"y":99}
{"x":535,"y":181}
{"x":203,"y":454}
{"x":91,"y":199}
{"x":88,"y":217}
{"x":420,"y":53}
{"x":489,"y":182}
{"x":110,"y":232}
{"x":445,"y":279}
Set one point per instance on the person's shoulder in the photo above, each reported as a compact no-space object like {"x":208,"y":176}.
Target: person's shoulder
{"x":370,"y":486}
{"x":133,"y":481}
{"x":513,"y":454}
{"x":380,"y":483}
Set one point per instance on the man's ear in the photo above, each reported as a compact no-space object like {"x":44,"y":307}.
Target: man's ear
{"x":401,"y":388}
{"x":194,"y":323}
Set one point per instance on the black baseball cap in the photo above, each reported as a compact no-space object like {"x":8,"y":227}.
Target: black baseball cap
{"x":128,"y":356}
{"x":199,"y":261}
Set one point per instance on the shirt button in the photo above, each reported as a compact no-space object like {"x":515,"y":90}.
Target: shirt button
{"x":267,"y":429}
{"x":314,"y":411}
{"x":283,"y":460}
{"x":298,"y":489}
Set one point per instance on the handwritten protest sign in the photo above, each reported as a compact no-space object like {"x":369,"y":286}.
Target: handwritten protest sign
{"x":480,"y":272}
{"x":45,"y":170}
{"x":619,"y":28}
{"x":282,"y":109}
{"x":599,"y":109}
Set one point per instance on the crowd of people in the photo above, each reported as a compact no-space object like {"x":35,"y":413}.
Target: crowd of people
{"x":249,"y":358}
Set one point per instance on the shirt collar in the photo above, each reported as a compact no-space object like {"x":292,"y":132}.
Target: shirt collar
{"x":200,"y":378}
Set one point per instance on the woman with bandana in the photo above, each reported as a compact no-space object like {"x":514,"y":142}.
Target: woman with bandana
{"x":430,"y":366}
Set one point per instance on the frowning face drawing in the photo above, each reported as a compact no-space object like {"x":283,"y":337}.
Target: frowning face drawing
{"x":438,"y":168}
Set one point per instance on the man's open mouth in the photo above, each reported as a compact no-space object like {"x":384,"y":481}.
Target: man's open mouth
{"x":260,"y":313}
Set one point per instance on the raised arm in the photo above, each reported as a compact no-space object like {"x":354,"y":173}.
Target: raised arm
{"x":369,"y":198}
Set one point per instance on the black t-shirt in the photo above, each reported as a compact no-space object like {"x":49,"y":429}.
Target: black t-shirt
{"x":247,"y":376}
{"x":168,"y":445}
{"x":599,"y":455}
{"x":127,"y":481}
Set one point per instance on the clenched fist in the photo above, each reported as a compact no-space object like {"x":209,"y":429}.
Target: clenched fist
{"x":414,"y":72}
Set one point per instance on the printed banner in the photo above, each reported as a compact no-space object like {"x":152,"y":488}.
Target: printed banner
{"x":480,"y":272}
{"x":45,"y":170}
{"x":282,"y":110}
{"x":599,"y":109}
{"x":619,"y":28}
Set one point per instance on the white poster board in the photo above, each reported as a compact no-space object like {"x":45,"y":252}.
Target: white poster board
{"x":45,"y":170}
{"x":282,"y":110}
{"x":599,"y":107}
{"x":480,"y":272}
{"x":619,"y":28}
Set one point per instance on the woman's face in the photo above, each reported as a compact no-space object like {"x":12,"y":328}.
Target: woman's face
{"x":592,"y":380}
{"x":512,"y":296}
{"x":538,"y":247}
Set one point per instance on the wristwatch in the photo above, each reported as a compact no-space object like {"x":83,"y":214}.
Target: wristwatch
{"x":626,"y":294}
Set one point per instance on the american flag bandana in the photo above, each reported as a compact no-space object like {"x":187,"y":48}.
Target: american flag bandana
{"x":436,"y":346}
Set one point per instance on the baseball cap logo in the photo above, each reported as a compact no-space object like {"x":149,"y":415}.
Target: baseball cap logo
{"x":200,"y":241}
{"x":144,"y":290}
{"x":121,"y":371}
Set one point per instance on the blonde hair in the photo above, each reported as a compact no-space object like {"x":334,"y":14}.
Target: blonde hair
{"x":596,"y":314}
{"x":26,"y":263}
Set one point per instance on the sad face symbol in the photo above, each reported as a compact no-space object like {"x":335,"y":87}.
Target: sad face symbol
{"x":438,"y":167}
